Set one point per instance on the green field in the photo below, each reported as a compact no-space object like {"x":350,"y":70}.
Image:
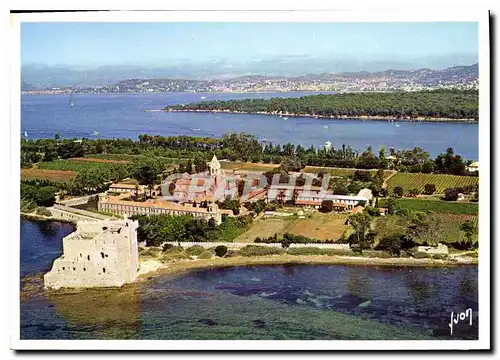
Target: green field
{"x":127,"y":157}
{"x":74,"y":165}
{"x":437,"y":206}
{"x":418,"y":181}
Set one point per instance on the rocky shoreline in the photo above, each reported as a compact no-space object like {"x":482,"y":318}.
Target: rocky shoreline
{"x":154,"y":267}
{"x":343,"y":117}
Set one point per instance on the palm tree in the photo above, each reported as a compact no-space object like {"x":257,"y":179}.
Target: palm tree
{"x":281,"y":196}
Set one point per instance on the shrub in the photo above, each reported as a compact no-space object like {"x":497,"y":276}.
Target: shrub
{"x":429,"y":189}
{"x":150,"y":252}
{"x":376,"y":254}
{"x":398,"y":191}
{"x":451,"y":194}
{"x":413,"y":192}
{"x":173,"y":255}
{"x":232,"y":253}
{"x":167,"y":247}
{"x":43,"y":211}
{"x":206,"y":255}
{"x":421,"y":255}
{"x":317,"y":251}
{"x":195,"y":250}
{"x":220,"y":250}
{"x":254,"y":250}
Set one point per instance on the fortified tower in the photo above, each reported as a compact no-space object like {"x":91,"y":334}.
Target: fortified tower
{"x":98,"y":254}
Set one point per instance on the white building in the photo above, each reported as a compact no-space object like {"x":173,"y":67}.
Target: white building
{"x":98,"y":254}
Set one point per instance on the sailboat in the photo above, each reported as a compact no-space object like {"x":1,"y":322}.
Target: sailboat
{"x":95,"y":133}
{"x":71,"y":100}
{"x":25,"y":134}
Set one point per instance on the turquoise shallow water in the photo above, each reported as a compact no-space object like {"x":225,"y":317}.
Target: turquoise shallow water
{"x":265,"y":302}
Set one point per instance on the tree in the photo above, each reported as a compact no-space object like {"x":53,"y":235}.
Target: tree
{"x":326,"y":206}
{"x":451,"y":194}
{"x":45,"y":196}
{"x":200,"y":165}
{"x":391,"y":205}
{"x":413,"y":192}
{"x":429,"y":189}
{"x":361,"y":224}
{"x":220,"y":250}
{"x":398,"y":191}
{"x":469,"y":229}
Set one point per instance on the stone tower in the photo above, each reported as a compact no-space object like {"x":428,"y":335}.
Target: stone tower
{"x":98,"y":254}
{"x":215,"y":168}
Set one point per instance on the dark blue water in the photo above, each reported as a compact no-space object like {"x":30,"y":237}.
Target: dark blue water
{"x":268,"y":302}
{"x":41,"y":244}
{"x":124,"y":116}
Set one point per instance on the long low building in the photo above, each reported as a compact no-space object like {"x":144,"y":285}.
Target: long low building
{"x":116,"y":205}
{"x":315,"y":195}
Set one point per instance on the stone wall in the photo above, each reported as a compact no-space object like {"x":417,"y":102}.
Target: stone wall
{"x":207,"y":245}
{"x":71,"y":214}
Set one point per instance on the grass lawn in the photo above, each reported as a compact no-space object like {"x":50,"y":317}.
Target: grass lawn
{"x":319,"y":226}
{"x":437,"y":206}
{"x":417,"y":181}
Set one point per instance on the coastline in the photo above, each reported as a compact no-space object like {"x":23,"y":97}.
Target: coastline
{"x":156,"y":268}
{"x":343,"y":117}
{"x":34,"y":216}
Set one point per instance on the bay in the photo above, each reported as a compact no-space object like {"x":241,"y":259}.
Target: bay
{"x":125,"y":116}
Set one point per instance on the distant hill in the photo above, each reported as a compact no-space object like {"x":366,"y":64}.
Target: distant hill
{"x":460,"y":77}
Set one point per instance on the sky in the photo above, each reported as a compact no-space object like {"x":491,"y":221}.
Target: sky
{"x":95,"y":44}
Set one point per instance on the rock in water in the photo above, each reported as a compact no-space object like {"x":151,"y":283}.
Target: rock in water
{"x":365,"y":304}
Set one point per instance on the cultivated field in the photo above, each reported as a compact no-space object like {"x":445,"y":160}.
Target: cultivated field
{"x":437,"y":206}
{"x":417,"y":181}
{"x":99,"y":160}
{"x":70,"y":165}
{"x":53,"y":175}
{"x":448,"y":228}
{"x":319,"y":226}
{"x":343,"y":171}
{"x":265,"y":228}
{"x":231,"y":165}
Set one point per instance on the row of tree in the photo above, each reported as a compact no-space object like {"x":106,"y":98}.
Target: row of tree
{"x":244,"y":147}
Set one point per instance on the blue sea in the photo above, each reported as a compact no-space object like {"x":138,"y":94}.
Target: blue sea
{"x":280,"y":302}
{"x":125,"y":116}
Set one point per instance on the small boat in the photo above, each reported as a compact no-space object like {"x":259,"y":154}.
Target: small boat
{"x":325,"y":127}
{"x":71,"y":100}
{"x":397,"y":125}
{"x":203,"y":97}
{"x":197,"y":129}
{"x":95,"y":133}
{"x":264,"y":140}
{"x":25,"y":133}
{"x":285,"y":118}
